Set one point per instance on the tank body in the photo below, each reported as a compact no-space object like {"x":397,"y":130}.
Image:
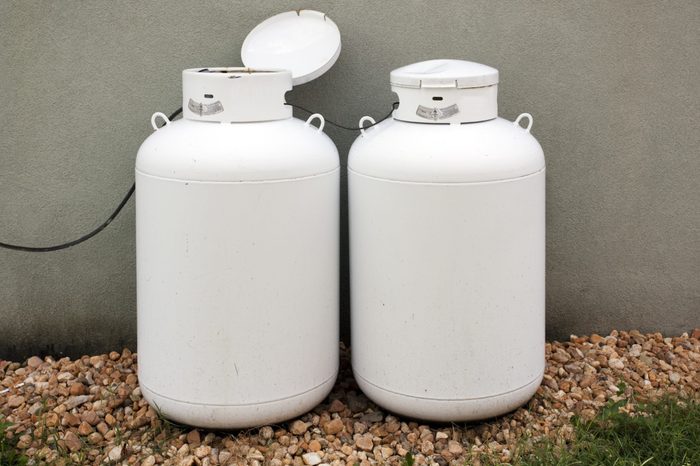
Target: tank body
{"x":447,"y":247}
{"x":237,"y":270}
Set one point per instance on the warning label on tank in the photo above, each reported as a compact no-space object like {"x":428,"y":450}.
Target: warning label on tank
{"x":205,"y":109}
{"x":435,"y":113}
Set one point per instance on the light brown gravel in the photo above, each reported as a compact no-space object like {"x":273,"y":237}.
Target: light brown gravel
{"x":90,"y":411}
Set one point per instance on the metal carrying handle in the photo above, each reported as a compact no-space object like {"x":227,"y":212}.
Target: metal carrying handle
{"x":319,"y":117}
{"x":361,"y":124}
{"x":154,"y":120}
{"x":530,"y":120}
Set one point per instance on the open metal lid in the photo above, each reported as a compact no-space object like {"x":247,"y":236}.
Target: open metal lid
{"x":459,"y":74}
{"x":305,"y":42}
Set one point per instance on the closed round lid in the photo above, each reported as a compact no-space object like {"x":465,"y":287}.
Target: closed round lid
{"x":444,"y":73}
{"x":305,"y":42}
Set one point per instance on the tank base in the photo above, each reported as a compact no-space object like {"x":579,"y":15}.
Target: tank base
{"x":213,"y":416}
{"x":448,"y":410}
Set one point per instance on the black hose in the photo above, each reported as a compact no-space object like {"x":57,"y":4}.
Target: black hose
{"x":349,"y":128}
{"x":131,"y":191}
{"x":87,"y":236}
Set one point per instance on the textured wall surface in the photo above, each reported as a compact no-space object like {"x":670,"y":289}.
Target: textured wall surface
{"x":613,"y":87}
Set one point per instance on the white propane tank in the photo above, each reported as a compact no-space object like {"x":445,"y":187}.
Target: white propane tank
{"x":237,"y":241}
{"x":447,"y":231}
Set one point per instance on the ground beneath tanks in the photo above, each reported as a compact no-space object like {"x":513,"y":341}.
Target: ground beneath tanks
{"x":91,"y":411}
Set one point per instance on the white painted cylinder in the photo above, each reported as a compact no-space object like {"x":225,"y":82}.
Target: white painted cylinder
{"x":447,"y":246}
{"x":237,"y":261}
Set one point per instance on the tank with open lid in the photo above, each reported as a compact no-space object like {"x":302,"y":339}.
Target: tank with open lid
{"x":237,"y":239}
{"x":447,"y":249}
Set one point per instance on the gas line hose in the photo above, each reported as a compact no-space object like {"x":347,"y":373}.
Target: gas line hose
{"x":132,"y":189}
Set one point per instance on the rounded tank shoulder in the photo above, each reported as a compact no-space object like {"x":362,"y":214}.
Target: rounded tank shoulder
{"x":491,"y":150}
{"x":260,"y":151}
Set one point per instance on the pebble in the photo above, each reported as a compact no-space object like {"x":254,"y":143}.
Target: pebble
{"x":138,"y":422}
{"x":336,"y":406}
{"x":51,"y":419}
{"x":635,"y":351}
{"x":314,"y":445}
{"x":90,"y":417}
{"x":224,"y":456}
{"x":615,"y":363}
{"x":311,"y":459}
{"x":646,"y":360}
{"x":85,"y":429}
{"x":70,"y":419}
{"x":35,"y":408}
{"x":561,"y":357}
{"x":665,"y":366}
{"x":97,"y":362}
{"x":95,"y":438}
{"x":15,"y":401}
{"x":455,"y":448}
{"x":549,"y":381}
{"x":115,"y":454}
{"x":266,"y":432}
{"x":298,"y":427}
{"x":193,"y":437}
{"x":24,"y":442}
{"x":372,"y":417}
{"x":77,"y":388}
{"x":364,"y":442}
{"x":76,"y":401}
{"x":203,"y":450}
{"x":255,"y":454}
{"x":72,"y":441}
{"x":34,"y":362}
{"x":334,"y":426}
{"x":392,"y":425}
{"x":102,"y":428}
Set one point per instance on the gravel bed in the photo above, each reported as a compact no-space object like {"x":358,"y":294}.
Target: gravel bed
{"x":91,"y":411}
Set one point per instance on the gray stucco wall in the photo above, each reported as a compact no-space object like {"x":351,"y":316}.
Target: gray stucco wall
{"x":613,"y":86}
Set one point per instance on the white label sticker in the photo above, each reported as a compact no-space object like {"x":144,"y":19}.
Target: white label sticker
{"x":435,"y":113}
{"x":205,"y":109}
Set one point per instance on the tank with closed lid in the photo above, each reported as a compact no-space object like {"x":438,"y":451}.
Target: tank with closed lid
{"x":447,"y":249}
